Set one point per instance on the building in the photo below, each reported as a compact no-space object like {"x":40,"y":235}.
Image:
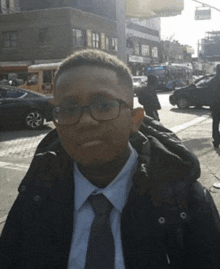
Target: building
{"x":174,"y":52}
{"x":142,"y":43}
{"x":143,"y":30}
{"x":209,"y":48}
{"x":44,"y":31}
{"x":34,"y":32}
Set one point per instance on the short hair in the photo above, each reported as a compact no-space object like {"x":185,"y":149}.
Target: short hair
{"x":94,"y":57}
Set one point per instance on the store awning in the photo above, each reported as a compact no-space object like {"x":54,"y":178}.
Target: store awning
{"x":155,"y":8}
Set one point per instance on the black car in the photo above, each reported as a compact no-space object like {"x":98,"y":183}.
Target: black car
{"x":196,"y":94}
{"x":24,"y":106}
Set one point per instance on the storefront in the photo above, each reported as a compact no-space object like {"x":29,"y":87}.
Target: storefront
{"x":20,"y":68}
{"x":137,"y":64}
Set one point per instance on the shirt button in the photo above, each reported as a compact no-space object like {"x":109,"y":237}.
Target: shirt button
{"x":37,"y":198}
{"x":183,"y":215}
{"x":23,"y":188}
{"x":161,"y":220}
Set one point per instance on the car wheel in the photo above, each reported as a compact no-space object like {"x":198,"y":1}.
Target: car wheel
{"x":182,"y":103}
{"x":34,"y":120}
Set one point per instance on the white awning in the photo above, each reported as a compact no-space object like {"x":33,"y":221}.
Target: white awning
{"x":153,"y":8}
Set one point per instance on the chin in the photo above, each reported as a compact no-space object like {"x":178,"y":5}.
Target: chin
{"x":95,"y":158}
{"x":91,"y":161}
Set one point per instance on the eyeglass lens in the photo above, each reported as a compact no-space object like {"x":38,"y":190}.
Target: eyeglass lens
{"x":107,"y":110}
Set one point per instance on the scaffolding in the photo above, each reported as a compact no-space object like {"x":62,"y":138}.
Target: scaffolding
{"x":209,"y":48}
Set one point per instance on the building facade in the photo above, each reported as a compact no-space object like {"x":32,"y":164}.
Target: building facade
{"x":142,"y":43}
{"x":44,"y":31}
{"x":48,"y":31}
{"x":209,"y":47}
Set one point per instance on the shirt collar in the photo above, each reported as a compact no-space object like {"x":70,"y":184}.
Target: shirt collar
{"x":116,"y":192}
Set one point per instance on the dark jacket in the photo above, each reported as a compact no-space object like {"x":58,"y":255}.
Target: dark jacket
{"x":148,"y":97}
{"x":214,"y":86}
{"x":169,"y":220}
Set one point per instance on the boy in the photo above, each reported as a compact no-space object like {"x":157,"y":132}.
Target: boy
{"x":101,"y":194}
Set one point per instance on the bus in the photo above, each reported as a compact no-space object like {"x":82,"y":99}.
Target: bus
{"x":172,"y":75}
{"x":41,"y":78}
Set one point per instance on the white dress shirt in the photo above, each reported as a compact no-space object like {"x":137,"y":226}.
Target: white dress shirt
{"x":117,"y":193}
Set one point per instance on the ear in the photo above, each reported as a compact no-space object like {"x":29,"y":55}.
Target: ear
{"x":52,"y":102}
{"x":137,"y":119}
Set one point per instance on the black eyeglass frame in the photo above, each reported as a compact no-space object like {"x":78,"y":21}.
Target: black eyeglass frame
{"x":87,"y":108}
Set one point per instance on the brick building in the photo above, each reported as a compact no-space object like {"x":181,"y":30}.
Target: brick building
{"x":34,"y":32}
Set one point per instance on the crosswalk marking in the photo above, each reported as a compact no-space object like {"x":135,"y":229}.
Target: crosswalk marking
{"x":185,"y":125}
{"x":14,"y":166}
{"x":20,"y":148}
{"x":24,"y":148}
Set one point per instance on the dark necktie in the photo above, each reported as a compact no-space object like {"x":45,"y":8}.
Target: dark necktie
{"x":101,"y":250}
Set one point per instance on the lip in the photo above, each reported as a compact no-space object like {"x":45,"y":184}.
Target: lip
{"x":90,"y":143}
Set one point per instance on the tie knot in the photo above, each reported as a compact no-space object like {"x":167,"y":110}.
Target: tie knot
{"x":100,"y":204}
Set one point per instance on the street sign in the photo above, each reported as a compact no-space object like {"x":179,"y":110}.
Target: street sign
{"x":203,"y":14}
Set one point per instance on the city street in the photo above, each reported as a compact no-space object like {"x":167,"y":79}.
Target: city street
{"x":193,"y":126}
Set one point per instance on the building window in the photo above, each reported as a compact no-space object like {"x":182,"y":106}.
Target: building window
{"x":103,"y":45}
{"x":95,"y":40}
{"x":154,"y":52}
{"x":9,"y":6}
{"x":145,"y":50}
{"x":115,"y":43}
{"x":78,"y":37}
{"x":89,"y":38}
{"x":136,"y":49}
{"x":107,"y":43}
{"x":10,"y":39}
{"x":44,"y":36}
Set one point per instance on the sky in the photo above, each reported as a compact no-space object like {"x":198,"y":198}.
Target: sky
{"x":186,"y":29}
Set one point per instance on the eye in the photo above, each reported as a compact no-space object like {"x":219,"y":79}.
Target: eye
{"x":104,"y":105}
{"x":66,"y":109}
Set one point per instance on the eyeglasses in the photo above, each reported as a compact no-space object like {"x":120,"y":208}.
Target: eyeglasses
{"x":104,"y":110}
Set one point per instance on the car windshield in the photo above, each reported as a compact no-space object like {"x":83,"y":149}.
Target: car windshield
{"x":12,"y":93}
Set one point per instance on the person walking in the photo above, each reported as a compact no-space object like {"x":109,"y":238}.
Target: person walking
{"x":215,"y":107}
{"x":148,"y":98}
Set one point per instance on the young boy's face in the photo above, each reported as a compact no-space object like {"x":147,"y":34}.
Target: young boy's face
{"x":89,"y":141}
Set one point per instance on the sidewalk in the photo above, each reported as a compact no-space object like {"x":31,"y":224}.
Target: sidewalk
{"x":198,"y":139}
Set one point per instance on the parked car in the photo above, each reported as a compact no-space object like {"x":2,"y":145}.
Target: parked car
{"x":196,"y":94}
{"x":24,"y":106}
{"x":138,"y":81}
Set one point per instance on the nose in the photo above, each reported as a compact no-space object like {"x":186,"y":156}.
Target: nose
{"x":87,"y":118}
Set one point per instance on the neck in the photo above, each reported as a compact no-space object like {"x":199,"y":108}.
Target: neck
{"x":102,"y":175}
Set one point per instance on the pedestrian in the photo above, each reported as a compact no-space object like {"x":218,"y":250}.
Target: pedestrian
{"x":109,"y":188}
{"x":215,"y":106}
{"x":148,"y":97}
